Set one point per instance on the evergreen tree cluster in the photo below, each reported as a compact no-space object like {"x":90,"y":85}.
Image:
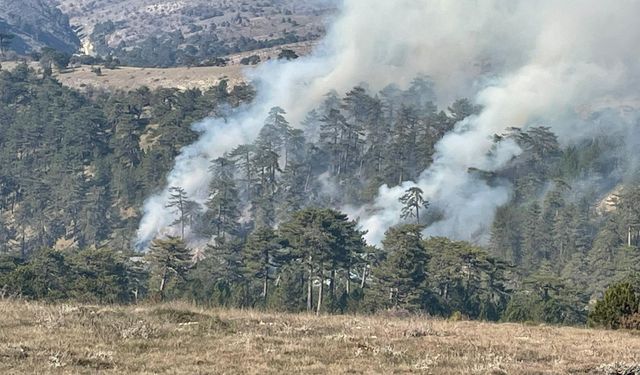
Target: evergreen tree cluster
{"x":317,"y":261}
{"x":77,"y":166}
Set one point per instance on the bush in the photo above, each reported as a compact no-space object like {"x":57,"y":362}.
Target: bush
{"x":216,"y":61}
{"x":250,"y":60}
{"x":619,"y":304}
{"x":111,"y":62}
{"x":630,"y":321}
{"x":287,"y":54}
{"x":530,"y":307}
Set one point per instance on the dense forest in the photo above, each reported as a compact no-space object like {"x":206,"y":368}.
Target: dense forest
{"x":76,"y":168}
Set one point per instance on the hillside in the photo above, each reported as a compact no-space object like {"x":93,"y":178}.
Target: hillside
{"x":130,"y":78}
{"x":167,"y":33}
{"x":80,"y":164}
{"x":179,"y":339}
{"x":36,"y":24}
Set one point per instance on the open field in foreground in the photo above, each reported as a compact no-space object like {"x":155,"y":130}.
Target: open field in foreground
{"x":180,"y":339}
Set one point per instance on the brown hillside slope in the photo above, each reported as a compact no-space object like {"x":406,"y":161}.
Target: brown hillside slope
{"x":137,"y":20}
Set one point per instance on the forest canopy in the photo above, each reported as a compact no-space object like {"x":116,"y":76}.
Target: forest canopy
{"x":77,"y":166}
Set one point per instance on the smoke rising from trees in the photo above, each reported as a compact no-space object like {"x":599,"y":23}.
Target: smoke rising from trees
{"x":527,"y":64}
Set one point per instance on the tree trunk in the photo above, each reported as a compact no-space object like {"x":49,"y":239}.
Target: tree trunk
{"x":320,"y":291}
{"x":23,"y":245}
{"x":310,"y":287}
{"x":265,"y":285}
{"x":163,"y":282}
{"x":348,"y":280}
{"x":364,"y":277}
{"x":332,"y":289}
{"x":286,"y":157}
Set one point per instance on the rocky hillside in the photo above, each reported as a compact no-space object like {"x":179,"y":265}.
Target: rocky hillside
{"x":179,"y":32}
{"x":36,"y":24}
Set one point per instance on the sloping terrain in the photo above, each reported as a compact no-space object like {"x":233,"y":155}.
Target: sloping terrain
{"x":128,"y":78}
{"x":36,"y":24}
{"x":167,"y":33}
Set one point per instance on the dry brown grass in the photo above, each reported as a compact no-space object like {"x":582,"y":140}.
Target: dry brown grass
{"x":130,"y":78}
{"x":181,"y":339}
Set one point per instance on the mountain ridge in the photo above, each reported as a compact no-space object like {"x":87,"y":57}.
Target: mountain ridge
{"x":35,"y":24}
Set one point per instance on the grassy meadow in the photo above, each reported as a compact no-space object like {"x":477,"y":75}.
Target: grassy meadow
{"x":181,"y":339}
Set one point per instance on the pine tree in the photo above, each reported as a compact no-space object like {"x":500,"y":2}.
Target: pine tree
{"x":400,"y":163}
{"x":243,"y":156}
{"x":402,"y":275}
{"x":185,"y":209}
{"x":619,"y":301}
{"x":261,"y":257}
{"x":533,"y":250}
{"x":321,"y":239}
{"x":331,"y":137}
{"x":169,"y":260}
{"x":413,"y":202}
{"x":506,"y":235}
{"x":223,"y":212}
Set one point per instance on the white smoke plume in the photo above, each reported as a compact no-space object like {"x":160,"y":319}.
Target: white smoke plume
{"x":580,"y":55}
{"x":525,"y":62}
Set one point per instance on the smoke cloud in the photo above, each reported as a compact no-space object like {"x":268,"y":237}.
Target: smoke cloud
{"x":526,"y":63}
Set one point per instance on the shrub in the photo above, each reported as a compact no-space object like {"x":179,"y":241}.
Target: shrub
{"x":630,"y":321}
{"x":619,"y":302}
{"x":287,"y":54}
{"x":250,"y":60}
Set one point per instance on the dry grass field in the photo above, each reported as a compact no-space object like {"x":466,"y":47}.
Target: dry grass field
{"x":130,"y":78}
{"x":181,"y":339}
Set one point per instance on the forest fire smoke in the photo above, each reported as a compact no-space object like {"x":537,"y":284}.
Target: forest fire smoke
{"x":526,"y":63}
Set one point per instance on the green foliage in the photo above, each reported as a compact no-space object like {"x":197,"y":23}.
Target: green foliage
{"x":467,"y":279}
{"x":250,"y":60}
{"x":261,"y":257}
{"x":287,"y":54}
{"x":325,"y":242}
{"x":77,"y":166}
{"x":102,"y":276}
{"x":403,"y":274}
{"x":412,"y":202}
{"x":620,"y":302}
{"x":93,"y":276}
{"x":546,"y":297}
{"x":169,"y":260}
{"x":6,"y":39}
